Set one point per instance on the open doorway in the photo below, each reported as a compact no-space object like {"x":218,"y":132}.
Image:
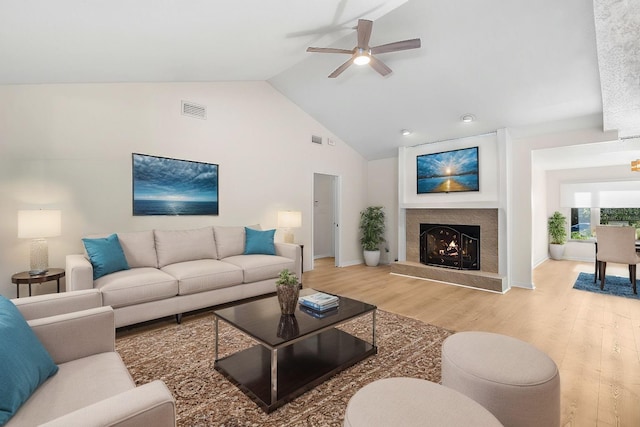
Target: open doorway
{"x":326,"y":211}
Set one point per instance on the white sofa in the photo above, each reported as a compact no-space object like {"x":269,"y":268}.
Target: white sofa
{"x":92,"y":386}
{"x":173,"y":272}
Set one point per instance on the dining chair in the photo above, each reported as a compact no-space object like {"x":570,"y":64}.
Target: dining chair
{"x":617,"y":245}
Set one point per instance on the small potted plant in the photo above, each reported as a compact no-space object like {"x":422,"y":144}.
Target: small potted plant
{"x":288,"y":288}
{"x":372,"y":228}
{"x":557,"y":227}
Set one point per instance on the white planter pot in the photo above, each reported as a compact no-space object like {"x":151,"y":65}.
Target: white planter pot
{"x":556,"y":251}
{"x":372,"y":258}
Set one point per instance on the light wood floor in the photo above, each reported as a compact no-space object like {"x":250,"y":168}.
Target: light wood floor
{"x":594,"y":339}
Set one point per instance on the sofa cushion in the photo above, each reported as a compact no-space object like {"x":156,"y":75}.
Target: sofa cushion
{"x":106,"y":255}
{"x":139,"y":248}
{"x":136,"y":286}
{"x":259,"y":242}
{"x":229,"y":241}
{"x":79,"y":383}
{"x":24,"y":362}
{"x":204,"y":275}
{"x":184,"y":245}
{"x":261,"y":267}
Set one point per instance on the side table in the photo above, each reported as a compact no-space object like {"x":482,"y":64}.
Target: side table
{"x":25,"y":278}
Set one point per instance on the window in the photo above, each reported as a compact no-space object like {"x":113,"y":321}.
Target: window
{"x":584,"y":220}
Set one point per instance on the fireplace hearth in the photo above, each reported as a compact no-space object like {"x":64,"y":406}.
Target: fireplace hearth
{"x":450,"y":246}
{"x":486,"y":277}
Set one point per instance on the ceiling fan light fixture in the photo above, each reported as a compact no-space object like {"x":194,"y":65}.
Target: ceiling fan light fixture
{"x":468,"y":118}
{"x":363,"y":57}
{"x":635,"y":165}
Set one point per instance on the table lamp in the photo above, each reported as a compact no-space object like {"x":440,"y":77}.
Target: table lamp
{"x":288,"y":220}
{"x":36,"y":225}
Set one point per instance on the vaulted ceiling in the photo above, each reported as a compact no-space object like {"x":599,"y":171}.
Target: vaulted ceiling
{"x":515,"y":64}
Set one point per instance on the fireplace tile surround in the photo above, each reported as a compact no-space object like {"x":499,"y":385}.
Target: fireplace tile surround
{"x":488,"y":278}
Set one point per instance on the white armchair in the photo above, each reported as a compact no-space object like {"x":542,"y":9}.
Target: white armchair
{"x":617,"y":245}
{"x":92,"y":386}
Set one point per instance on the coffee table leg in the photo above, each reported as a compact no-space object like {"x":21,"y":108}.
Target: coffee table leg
{"x":274,"y":375}
{"x":373,"y":328}
{"x":216,"y":323}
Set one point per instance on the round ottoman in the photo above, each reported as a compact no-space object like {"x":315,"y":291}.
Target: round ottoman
{"x":518,"y":383}
{"x":411,"y":402}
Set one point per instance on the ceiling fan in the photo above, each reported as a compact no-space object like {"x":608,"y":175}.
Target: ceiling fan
{"x":363,"y":54}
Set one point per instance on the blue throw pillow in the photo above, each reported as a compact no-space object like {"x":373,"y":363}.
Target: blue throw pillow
{"x":259,"y":242}
{"x":24,"y":362}
{"x":106,"y":255}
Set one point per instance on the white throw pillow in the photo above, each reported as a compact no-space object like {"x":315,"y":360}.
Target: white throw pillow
{"x":230,"y":240}
{"x":139,"y":248}
{"x":184,"y":245}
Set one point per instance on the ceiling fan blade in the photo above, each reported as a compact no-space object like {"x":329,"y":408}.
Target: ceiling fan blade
{"x":341,"y":68}
{"x":379,"y":66}
{"x":364,"y":33}
{"x":396,"y":46}
{"x":329,"y":50}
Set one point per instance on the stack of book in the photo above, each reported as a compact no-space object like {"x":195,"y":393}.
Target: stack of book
{"x":319,"y":301}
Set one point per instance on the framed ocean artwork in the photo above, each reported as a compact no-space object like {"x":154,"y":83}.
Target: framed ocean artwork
{"x":165,"y":186}
{"x":448,"y":171}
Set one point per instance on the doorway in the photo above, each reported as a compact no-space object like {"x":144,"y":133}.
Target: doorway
{"x":326,"y":211}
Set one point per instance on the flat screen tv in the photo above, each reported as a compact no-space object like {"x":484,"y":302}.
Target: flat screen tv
{"x":448,"y":171}
{"x":164,"y":186}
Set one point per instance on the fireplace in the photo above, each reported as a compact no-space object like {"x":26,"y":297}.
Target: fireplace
{"x":450,"y":246}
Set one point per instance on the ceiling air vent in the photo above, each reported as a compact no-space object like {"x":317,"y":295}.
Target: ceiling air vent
{"x":194,"y":110}
{"x":316,"y":139}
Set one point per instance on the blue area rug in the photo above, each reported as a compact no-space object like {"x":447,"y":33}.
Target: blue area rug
{"x":613,"y":285}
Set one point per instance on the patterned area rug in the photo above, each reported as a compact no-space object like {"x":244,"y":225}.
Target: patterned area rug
{"x":613,"y":285}
{"x":182,"y":356}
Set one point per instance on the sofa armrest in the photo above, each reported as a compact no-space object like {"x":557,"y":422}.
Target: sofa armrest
{"x":78,"y":273}
{"x":53,"y":304}
{"x":148,"y":405}
{"x":293,"y":251}
{"x":75,"y":335}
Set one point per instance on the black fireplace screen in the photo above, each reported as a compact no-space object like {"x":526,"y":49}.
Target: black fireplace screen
{"x":451,"y":246}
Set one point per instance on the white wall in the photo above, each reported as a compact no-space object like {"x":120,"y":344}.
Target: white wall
{"x":383,"y":191}
{"x":69,"y":147}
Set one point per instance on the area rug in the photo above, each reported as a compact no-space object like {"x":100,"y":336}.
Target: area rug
{"x":182,"y":356}
{"x":613,"y":285}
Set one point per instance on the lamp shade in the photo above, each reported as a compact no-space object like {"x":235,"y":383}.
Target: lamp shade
{"x":34,"y":224}
{"x":289,"y":219}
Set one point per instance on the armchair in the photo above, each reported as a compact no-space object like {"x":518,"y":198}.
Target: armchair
{"x":92,"y":386}
{"x":617,"y":245}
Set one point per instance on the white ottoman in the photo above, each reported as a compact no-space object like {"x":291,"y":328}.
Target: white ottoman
{"x":518,"y":383}
{"x":408,"y":402}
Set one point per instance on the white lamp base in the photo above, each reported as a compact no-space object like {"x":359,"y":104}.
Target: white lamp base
{"x":39,"y":257}
{"x":288,"y":237}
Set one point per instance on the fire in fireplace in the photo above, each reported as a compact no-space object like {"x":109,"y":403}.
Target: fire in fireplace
{"x":451,"y":246}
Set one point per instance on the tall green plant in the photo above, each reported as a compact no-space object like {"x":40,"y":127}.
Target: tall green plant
{"x":557,"y":226}
{"x":372,"y":228}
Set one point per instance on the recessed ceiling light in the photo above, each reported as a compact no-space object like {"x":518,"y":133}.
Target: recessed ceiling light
{"x":406,"y":132}
{"x":468,"y":118}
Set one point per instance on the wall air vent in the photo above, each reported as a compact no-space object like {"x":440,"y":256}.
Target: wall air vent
{"x":194,"y":110}
{"x":316,"y":139}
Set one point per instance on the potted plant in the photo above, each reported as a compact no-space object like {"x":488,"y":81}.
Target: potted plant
{"x":287,"y":288}
{"x":372,"y":228}
{"x":557,"y":227}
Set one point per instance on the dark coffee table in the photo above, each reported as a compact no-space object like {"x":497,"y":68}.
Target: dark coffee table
{"x":295,"y":353}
